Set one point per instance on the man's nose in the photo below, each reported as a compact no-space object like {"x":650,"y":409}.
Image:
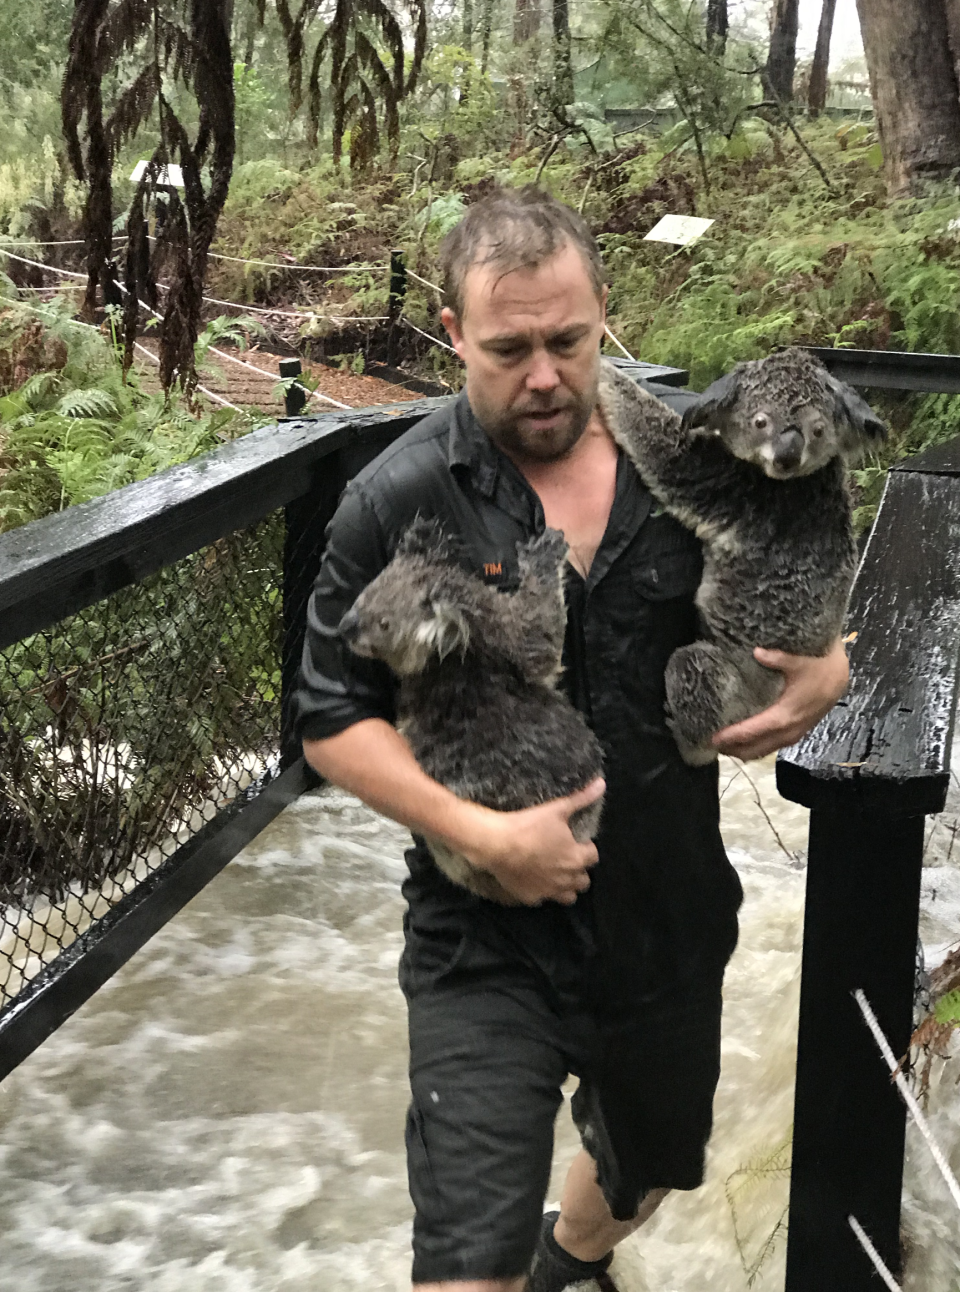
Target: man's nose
{"x":542,"y":374}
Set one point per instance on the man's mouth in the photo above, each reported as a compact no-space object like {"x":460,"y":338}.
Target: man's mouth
{"x":543,"y":418}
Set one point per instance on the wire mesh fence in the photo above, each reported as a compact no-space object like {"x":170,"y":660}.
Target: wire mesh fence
{"x":127,"y":727}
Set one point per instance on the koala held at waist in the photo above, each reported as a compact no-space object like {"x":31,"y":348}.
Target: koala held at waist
{"x":477,"y":670}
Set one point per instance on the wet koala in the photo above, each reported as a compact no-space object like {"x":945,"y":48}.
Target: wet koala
{"x":757,"y":468}
{"x":477,"y":671}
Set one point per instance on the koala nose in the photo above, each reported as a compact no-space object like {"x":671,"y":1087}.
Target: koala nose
{"x":788,"y":449}
{"x":350,"y":626}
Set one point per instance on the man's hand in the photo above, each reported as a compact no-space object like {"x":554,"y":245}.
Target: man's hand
{"x":533,"y":853}
{"x":813,"y":686}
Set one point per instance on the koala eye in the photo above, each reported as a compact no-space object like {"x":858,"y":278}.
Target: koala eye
{"x":818,"y":432}
{"x":761,"y":421}
{"x":384,"y":624}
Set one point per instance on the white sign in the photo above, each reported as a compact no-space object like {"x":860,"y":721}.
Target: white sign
{"x":167,"y":177}
{"x":680,"y":229}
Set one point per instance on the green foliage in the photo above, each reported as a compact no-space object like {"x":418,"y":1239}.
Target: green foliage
{"x":79,"y":430}
{"x":947,"y":1009}
{"x":758,"y":1197}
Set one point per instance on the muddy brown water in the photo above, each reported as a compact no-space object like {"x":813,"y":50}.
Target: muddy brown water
{"x":226,"y":1115}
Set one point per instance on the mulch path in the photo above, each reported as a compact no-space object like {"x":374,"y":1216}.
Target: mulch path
{"x":248,"y":389}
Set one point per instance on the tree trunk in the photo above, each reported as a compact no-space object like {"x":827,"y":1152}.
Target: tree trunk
{"x":952,"y":8}
{"x":213,"y":85}
{"x":82,"y":95}
{"x":562,"y":66}
{"x":782,"y":58}
{"x":526,"y":21}
{"x":467,"y":40}
{"x":817,"y":100}
{"x":914,"y":86}
{"x":486,"y":28}
{"x":717,"y":25}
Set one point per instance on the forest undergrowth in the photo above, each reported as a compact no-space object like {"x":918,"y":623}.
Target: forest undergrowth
{"x":793,"y":257}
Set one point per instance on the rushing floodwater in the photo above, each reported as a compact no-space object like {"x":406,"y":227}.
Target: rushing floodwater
{"x":226,"y":1114}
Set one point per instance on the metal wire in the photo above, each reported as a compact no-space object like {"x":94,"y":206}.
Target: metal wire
{"x":125,"y":728}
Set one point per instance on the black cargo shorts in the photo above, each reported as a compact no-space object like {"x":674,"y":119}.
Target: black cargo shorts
{"x":490,"y":1048}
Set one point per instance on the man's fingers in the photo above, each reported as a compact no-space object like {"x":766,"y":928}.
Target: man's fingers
{"x":583,"y":798}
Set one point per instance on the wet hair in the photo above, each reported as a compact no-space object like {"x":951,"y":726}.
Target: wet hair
{"x":514,"y":229}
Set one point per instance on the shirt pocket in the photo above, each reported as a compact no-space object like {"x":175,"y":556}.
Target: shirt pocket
{"x":670,"y":574}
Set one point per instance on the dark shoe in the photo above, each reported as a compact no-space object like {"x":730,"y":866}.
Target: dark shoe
{"x":553,"y":1269}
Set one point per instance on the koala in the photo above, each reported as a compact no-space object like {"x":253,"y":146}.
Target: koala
{"x":757,"y":468}
{"x":477,"y":671}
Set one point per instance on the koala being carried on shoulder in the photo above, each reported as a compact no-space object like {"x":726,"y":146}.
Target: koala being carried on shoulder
{"x":757,"y":468}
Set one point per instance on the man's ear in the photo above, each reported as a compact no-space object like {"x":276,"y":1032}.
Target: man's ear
{"x":454,"y":330}
{"x":868,"y":430}
{"x":718,"y":398}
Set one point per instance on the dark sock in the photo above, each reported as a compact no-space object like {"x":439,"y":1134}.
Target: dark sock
{"x":553,"y":1268}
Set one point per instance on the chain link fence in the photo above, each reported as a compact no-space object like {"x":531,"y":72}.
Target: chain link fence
{"x":146,"y":737}
{"x":127,"y":727}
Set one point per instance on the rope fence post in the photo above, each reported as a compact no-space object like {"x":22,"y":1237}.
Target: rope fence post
{"x":295,"y":395}
{"x":397,"y":296}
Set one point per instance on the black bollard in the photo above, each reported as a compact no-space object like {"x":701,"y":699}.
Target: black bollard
{"x":295,"y":395}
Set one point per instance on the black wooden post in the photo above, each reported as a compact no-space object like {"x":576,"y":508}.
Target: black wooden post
{"x":307,"y":518}
{"x":397,"y":295}
{"x":860,"y":930}
{"x":870,"y":773}
{"x":295,"y":395}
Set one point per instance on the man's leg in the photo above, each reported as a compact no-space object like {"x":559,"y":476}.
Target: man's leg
{"x":585,"y":1227}
{"x":486,"y":1071}
{"x":477,"y":1285}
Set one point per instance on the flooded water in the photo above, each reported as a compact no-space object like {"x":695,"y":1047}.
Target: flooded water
{"x":226,"y":1114}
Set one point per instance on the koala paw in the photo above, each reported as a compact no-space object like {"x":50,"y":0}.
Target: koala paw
{"x":543,"y":556}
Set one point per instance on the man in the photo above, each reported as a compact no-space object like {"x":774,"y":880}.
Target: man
{"x":612,"y":970}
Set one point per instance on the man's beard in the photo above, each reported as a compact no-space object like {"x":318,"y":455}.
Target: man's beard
{"x":519,"y":436}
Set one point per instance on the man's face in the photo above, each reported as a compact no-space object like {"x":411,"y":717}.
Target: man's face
{"x":530,"y":340}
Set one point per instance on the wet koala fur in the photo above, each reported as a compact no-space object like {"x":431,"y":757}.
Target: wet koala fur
{"x":477,"y":671}
{"x":757,"y":469}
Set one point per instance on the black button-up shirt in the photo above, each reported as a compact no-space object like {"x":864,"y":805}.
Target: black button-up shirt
{"x":663,"y":898}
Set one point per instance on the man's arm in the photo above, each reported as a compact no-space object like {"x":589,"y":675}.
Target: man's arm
{"x":532,"y":853}
{"x":813,"y":686}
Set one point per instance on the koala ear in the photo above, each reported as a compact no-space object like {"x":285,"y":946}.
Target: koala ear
{"x":426,"y":538}
{"x":447,"y":631}
{"x":718,"y":398}
{"x":866,"y":427}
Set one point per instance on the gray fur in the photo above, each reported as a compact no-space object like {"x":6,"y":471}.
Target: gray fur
{"x":757,"y":469}
{"x":477,"y":669}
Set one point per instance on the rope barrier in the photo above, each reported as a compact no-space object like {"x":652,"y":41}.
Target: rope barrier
{"x":38,"y":264}
{"x":296,"y":314}
{"x":209,"y":393}
{"x":426,"y":282}
{"x":874,"y":1255}
{"x":907,"y":1094}
{"x":33,"y":242}
{"x":618,"y":343}
{"x":279,"y":264}
{"x":326,"y":399}
{"x":443,"y":345}
{"x":149,"y":353}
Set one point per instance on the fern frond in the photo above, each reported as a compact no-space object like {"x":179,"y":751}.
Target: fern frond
{"x":87,"y":403}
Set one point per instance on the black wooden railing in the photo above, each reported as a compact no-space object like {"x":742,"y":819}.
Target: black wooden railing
{"x":870,"y":773}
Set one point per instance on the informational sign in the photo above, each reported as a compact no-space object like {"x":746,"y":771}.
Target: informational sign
{"x":679,"y":229}
{"x":168,"y":176}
